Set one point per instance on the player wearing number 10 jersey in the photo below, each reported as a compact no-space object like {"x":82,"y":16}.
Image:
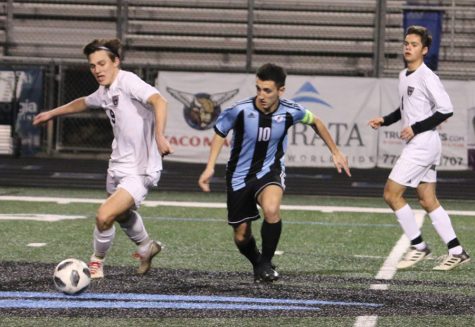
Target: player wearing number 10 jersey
{"x":255,"y":171}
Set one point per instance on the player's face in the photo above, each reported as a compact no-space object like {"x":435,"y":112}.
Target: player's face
{"x":103,"y":68}
{"x":268,"y":95}
{"x":414,"y":51}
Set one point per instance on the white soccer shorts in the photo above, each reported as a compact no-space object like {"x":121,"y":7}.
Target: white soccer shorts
{"x":410,"y":174}
{"x":136,"y":185}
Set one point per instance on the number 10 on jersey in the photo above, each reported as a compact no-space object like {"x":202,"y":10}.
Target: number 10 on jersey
{"x":264,"y":134}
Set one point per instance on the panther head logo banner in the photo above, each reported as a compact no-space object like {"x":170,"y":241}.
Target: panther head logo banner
{"x":201,"y":109}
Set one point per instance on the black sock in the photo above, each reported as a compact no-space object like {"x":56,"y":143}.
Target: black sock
{"x":270,"y":238}
{"x":249,"y":250}
{"x":417,"y":240}
{"x":453,"y":243}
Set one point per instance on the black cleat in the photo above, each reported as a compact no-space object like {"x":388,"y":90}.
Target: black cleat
{"x":265,"y":272}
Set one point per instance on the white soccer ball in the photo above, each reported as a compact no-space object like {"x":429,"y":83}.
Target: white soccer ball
{"x":71,"y":276}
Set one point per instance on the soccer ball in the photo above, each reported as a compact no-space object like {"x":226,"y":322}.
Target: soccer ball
{"x":71,"y":276}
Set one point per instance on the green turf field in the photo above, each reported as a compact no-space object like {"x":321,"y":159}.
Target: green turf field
{"x":339,"y":253}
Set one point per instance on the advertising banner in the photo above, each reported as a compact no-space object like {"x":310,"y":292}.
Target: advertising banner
{"x":345,"y":105}
{"x":196,"y":99}
{"x":471,"y":127}
{"x":24,"y":90}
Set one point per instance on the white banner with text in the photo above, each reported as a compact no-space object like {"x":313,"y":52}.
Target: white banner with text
{"x":345,"y":104}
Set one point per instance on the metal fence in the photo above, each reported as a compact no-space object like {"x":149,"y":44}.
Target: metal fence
{"x":315,"y":37}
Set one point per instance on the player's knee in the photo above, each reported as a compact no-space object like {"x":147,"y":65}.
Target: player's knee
{"x":389,"y":197}
{"x":240,"y":238}
{"x":242,"y":234}
{"x":104,"y":220}
{"x":271,"y":214}
{"x":429,"y":205}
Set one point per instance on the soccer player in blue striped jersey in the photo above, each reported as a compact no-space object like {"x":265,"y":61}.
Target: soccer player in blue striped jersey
{"x":255,"y":173}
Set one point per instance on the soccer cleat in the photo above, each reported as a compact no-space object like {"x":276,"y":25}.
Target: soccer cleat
{"x":96,"y":267}
{"x":453,"y":260}
{"x":146,"y":259}
{"x":265,"y":272}
{"x":412,"y":257}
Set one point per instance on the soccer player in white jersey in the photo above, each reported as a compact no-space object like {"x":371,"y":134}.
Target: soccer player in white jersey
{"x":424,"y":105}
{"x":255,"y":173}
{"x":137,"y":112}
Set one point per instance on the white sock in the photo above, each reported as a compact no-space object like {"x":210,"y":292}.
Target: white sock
{"x":406,"y":219}
{"x":103,"y":241}
{"x":443,"y":226}
{"x":135,"y":229}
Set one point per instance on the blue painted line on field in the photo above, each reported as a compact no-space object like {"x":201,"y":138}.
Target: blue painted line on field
{"x":132,"y":300}
{"x":218,"y":220}
{"x":56,"y":304}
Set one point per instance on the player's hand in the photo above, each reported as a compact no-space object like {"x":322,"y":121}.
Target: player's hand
{"x":341,"y":162}
{"x":205,"y":178}
{"x":376,"y":123}
{"x":163,"y":145}
{"x":407,"y":134}
{"x":42,"y":117}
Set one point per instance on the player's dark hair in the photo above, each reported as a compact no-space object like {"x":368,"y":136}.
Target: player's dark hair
{"x":271,"y":72}
{"x":426,"y":38}
{"x":113,"y":47}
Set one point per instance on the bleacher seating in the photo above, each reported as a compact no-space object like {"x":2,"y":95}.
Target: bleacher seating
{"x":456,"y":54}
{"x":307,"y":36}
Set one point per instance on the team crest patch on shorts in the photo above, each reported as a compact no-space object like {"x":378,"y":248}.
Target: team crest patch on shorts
{"x":410,"y":89}
{"x":115,"y":100}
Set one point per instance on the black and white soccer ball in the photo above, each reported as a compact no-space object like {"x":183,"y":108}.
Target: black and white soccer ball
{"x":71,"y":276}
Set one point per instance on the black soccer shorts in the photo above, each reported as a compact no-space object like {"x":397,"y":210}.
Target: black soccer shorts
{"x":242,"y":204}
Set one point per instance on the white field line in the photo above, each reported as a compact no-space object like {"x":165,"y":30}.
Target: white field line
{"x":38,"y":217}
{"x":366,"y":321}
{"x":388,"y":270}
{"x":218,"y":205}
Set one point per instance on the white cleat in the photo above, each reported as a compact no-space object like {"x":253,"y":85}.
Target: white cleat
{"x":453,"y":260}
{"x":412,"y":257}
{"x":96,"y":267}
{"x":146,"y":259}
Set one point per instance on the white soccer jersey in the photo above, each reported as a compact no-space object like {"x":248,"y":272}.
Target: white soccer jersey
{"x":422,"y":94}
{"x":134,"y":149}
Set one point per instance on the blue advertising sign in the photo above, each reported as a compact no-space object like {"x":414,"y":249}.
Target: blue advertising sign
{"x":432,"y":20}
{"x":21,"y":96}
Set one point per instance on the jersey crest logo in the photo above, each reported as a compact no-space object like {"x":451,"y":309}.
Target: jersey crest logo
{"x":115,"y":100}
{"x":410,"y":89}
{"x":279,"y":118}
{"x":201,"y":109}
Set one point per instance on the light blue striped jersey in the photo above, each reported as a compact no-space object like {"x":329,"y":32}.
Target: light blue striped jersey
{"x":259,"y":140}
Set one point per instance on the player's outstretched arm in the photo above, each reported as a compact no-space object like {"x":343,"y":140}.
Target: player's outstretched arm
{"x":159,"y":104}
{"x":386,"y":120}
{"x":339,"y":159}
{"x":205,"y":177}
{"x":73,"y":107}
{"x":376,"y":123}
